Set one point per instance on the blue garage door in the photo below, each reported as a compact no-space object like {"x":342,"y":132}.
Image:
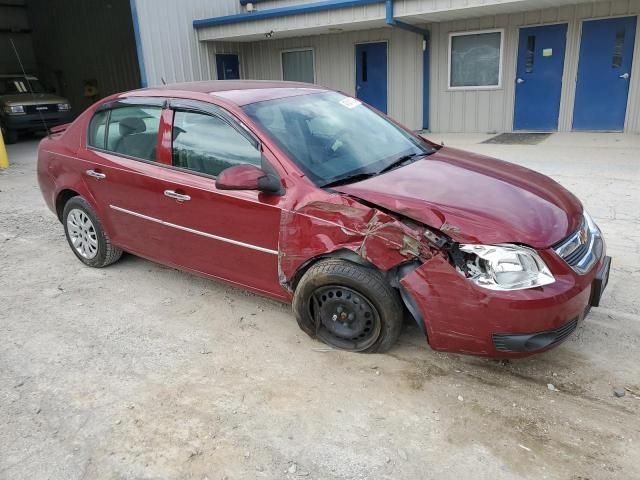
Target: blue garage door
{"x":539,"y":77}
{"x":371,"y":74}
{"x":604,"y":72}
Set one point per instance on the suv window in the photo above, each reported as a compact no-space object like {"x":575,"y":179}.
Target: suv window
{"x":207,"y":144}
{"x":132,"y":131}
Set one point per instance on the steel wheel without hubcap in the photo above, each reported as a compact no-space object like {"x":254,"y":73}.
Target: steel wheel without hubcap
{"x":345,"y":318}
{"x":82,"y":234}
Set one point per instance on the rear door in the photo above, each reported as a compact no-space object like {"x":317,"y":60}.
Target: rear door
{"x":122,"y":172}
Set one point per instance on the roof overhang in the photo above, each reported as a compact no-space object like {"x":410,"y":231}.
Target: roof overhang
{"x":334,"y":16}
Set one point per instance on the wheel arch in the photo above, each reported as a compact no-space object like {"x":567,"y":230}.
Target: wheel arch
{"x":62,"y":198}
{"x":392,"y":276}
{"x":343,"y":254}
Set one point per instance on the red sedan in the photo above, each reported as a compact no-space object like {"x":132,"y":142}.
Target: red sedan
{"x":309,"y":196}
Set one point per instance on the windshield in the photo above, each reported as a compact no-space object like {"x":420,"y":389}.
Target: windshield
{"x":333,"y":137}
{"x":14,"y":85}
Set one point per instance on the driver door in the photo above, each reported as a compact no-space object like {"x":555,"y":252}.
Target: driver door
{"x":232,"y":235}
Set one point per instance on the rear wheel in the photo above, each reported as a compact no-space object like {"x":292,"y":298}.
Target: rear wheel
{"x":348,"y":306}
{"x":88,"y":241}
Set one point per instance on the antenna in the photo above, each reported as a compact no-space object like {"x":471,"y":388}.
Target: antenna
{"x":33,"y":95}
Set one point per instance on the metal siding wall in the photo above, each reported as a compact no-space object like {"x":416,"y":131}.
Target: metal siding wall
{"x":335,"y":65}
{"x":15,"y":23}
{"x":170,"y":43}
{"x":85,"y":39}
{"x":492,"y":110}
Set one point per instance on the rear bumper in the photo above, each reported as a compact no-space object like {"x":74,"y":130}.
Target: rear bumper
{"x":33,"y":121}
{"x":462,"y":317}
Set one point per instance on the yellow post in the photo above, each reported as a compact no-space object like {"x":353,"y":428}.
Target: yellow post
{"x":4,"y":159}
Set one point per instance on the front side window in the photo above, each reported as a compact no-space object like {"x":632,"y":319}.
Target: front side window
{"x":297,"y":66}
{"x":207,"y":144}
{"x":475,"y":60}
{"x":132,"y":131}
{"x":332,"y":137}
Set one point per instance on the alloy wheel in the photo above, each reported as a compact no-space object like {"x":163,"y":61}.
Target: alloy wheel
{"x":82,"y":234}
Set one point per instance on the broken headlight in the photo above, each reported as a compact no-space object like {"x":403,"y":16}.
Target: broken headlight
{"x":505,"y":267}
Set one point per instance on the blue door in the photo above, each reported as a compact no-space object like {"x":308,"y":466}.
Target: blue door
{"x":604,"y":72}
{"x":539,"y":77}
{"x":371,"y":74}
{"x":227,"y":66}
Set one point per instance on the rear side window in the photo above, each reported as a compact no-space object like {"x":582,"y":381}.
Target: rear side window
{"x":132,"y":131}
{"x":97,"y":130}
{"x":207,"y":144}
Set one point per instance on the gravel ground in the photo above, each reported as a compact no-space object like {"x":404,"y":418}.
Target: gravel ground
{"x":141,"y":371}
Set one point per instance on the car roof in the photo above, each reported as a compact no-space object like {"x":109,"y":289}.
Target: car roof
{"x":241,"y":92}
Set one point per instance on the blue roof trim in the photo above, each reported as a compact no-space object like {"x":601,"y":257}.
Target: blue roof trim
{"x":139,"y":51}
{"x":282,"y":12}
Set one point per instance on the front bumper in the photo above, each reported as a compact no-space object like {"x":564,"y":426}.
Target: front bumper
{"x":461,"y":317}
{"x":33,"y":121}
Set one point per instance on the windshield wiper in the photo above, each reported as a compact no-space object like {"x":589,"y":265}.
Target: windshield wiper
{"x":349,"y":179}
{"x":399,"y":162}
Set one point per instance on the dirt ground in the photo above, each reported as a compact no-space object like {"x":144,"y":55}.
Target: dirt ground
{"x":138,"y":371}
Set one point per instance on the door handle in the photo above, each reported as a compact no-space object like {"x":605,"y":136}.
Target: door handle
{"x":177,"y":196}
{"x":519,"y":81}
{"x":96,"y":175}
{"x":625,"y":76}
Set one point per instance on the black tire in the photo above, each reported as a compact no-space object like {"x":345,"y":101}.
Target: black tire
{"x":334,"y":287}
{"x":105,"y":252}
{"x":10,"y":136}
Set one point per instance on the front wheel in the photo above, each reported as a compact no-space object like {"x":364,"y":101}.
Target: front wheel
{"x":88,"y":241}
{"x":348,"y":306}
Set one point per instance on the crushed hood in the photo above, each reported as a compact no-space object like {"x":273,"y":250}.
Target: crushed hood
{"x":475,"y":199}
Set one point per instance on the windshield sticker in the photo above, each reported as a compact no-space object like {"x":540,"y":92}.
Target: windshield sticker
{"x":350,"y":102}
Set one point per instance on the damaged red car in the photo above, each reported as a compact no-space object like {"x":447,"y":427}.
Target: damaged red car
{"x":306,"y":195}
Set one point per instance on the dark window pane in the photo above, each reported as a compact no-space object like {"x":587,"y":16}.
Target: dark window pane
{"x":364,"y":65}
{"x":617,"y":49}
{"x":133,"y":131}
{"x":531,"y":52}
{"x":97,"y":129}
{"x":207,"y":144}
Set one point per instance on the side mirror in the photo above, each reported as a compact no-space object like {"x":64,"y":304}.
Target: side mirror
{"x":248,"y":177}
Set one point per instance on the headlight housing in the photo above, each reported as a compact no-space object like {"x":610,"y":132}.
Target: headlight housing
{"x":14,"y":109}
{"x":505,"y":267}
{"x":62,"y":107}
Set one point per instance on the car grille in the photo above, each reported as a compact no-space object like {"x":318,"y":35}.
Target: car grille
{"x":44,"y":108}
{"x":582,"y":249}
{"x":536,"y":341}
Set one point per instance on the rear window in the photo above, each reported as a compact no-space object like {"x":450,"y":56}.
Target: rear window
{"x":130,"y":131}
{"x":97,"y":129}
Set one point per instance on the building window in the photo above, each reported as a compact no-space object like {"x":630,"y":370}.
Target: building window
{"x":475,"y":60}
{"x":297,"y":65}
